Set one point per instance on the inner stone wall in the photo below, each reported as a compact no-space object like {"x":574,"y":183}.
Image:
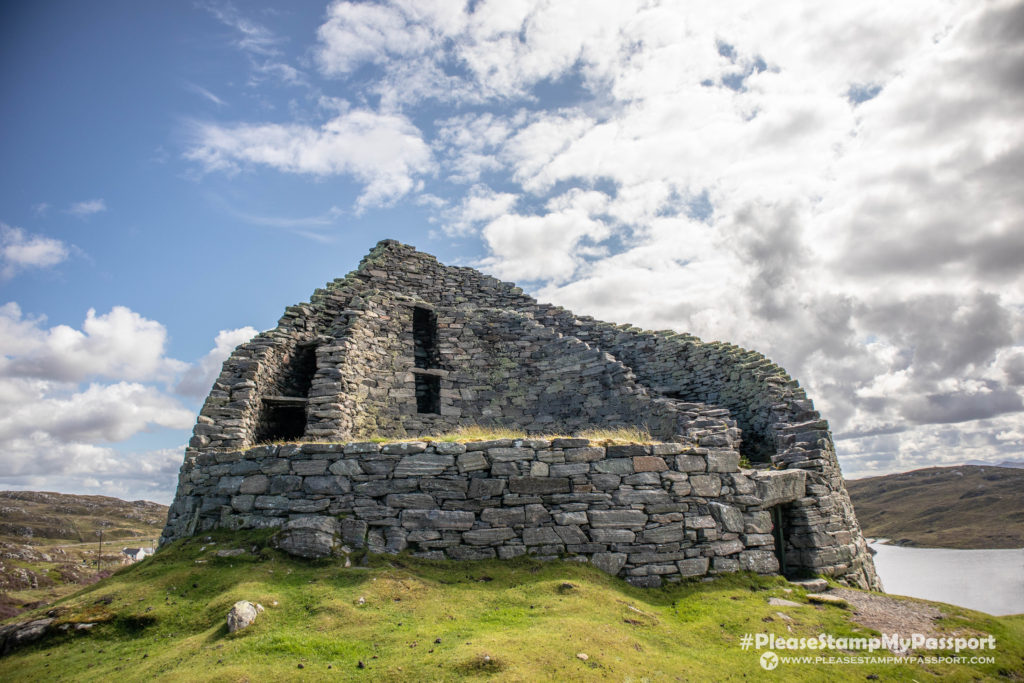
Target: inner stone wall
{"x":647,"y":512}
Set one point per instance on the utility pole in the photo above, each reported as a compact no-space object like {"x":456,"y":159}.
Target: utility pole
{"x":99,"y":553}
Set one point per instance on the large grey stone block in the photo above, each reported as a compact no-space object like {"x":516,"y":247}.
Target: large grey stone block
{"x":488,"y":536}
{"x":437,"y":519}
{"x":696,"y":566}
{"x":543,"y":535}
{"x":328,"y":485}
{"x":486,"y":488}
{"x":503,"y":516}
{"x":345,"y":467}
{"x":775,"y":487}
{"x":423,"y":465}
{"x":706,"y":485}
{"x":616,"y":518}
{"x":539,"y":485}
{"x":728,"y":516}
{"x":309,"y":467}
{"x":612,"y":563}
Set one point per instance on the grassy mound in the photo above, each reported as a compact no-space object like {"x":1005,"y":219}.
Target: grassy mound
{"x":401,"y":618}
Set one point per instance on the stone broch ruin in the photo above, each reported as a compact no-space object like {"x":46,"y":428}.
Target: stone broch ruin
{"x":406,"y":347}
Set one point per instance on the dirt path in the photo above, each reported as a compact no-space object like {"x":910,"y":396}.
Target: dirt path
{"x":889,"y":615}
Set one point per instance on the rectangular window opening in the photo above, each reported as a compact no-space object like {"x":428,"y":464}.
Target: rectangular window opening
{"x":284,"y":423}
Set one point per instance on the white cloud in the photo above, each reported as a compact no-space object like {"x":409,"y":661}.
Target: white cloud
{"x":385,"y":152}
{"x":364,"y":32}
{"x":551,"y":246}
{"x":870,"y":244}
{"x":87,"y":208}
{"x":482,"y":204}
{"x":120,"y":344}
{"x":198,"y":379}
{"x":100,"y":413}
{"x":58,"y":421}
{"x":252,"y":36}
{"x":146,"y":475}
{"x":206,"y":94}
{"x":20,"y":250}
{"x":260,"y":44}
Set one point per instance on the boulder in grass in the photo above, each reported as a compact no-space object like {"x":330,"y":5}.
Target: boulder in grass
{"x":825,"y":599}
{"x":242,"y":614}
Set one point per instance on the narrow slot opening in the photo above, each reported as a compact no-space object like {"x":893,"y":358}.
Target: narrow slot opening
{"x":424,"y":335}
{"x":298,"y":376}
{"x":425,"y":357}
{"x":428,"y":394}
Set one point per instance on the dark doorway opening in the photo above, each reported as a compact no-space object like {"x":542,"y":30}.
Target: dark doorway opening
{"x":779,"y":523}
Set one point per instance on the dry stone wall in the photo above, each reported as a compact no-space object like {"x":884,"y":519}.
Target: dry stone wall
{"x":346,"y":366}
{"x":648,"y":512}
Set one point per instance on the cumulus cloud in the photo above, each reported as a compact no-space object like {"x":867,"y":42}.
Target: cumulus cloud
{"x":552,"y":246}
{"x":120,"y":344}
{"x":481,"y":205}
{"x":385,"y":152}
{"x":71,"y":401}
{"x":100,"y":413}
{"x":832,"y":188}
{"x":198,"y":379}
{"x":359,"y":32}
{"x":20,"y":250}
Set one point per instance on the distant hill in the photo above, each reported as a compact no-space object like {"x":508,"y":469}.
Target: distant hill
{"x":49,"y":542}
{"x":1005,"y":463}
{"x":945,"y":507}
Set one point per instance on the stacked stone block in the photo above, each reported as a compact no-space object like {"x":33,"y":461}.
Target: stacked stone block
{"x":648,"y":512}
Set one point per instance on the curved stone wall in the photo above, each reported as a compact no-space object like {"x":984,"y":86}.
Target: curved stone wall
{"x":648,"y":512}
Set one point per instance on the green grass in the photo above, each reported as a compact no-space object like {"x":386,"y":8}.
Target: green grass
{"x":469,"y":433}
{"x":523,"y":620}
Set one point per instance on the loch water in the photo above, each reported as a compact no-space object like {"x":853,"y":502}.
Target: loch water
{"x":990,"y":581}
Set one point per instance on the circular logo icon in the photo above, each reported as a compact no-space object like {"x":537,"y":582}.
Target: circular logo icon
{"x":769,"y":660}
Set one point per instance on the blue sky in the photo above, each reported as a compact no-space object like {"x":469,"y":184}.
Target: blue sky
{"x":835,"y":187}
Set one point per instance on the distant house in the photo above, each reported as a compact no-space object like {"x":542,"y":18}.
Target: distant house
{"x":132,"y":555}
